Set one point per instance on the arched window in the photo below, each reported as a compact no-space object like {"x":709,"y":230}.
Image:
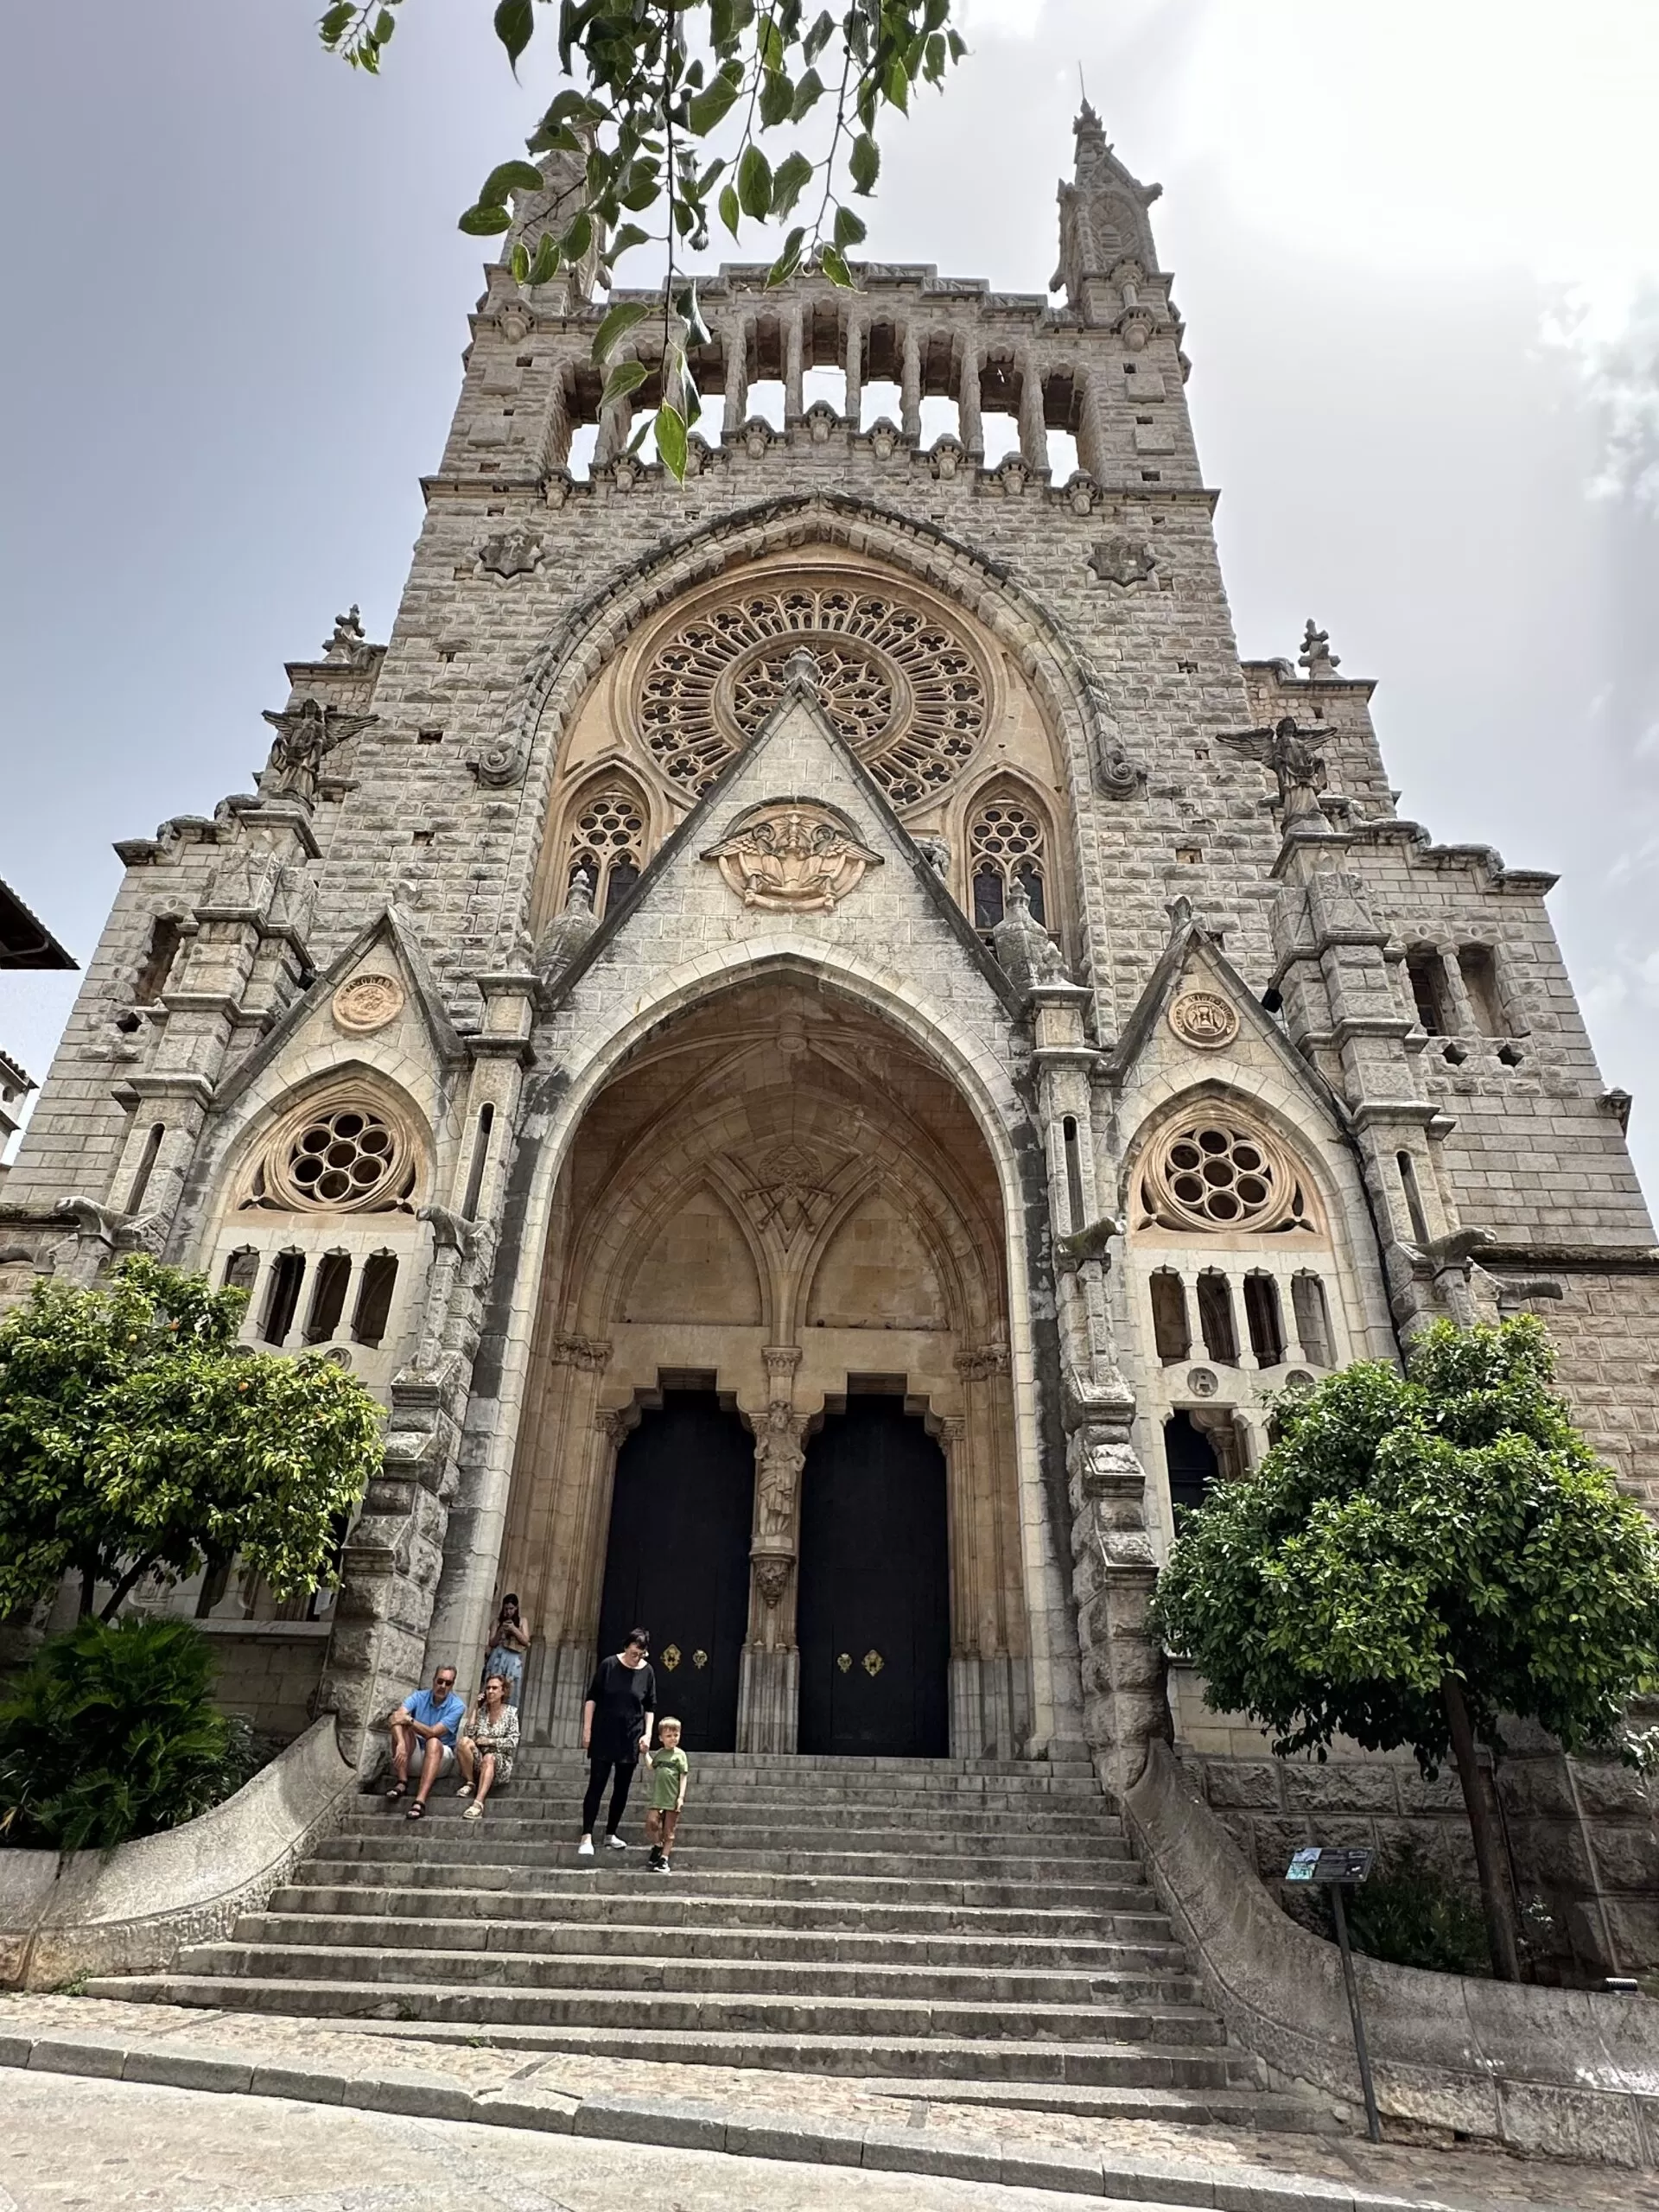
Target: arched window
{"x":1171,"y":1333}
{"x":1216,"y":1317}
{"x":1190,"y":1461}
{"x":607,"y":842}
{"x":1006,"y":843}
{"x":1312,"y":1314}
{"x":1264,"y":1320}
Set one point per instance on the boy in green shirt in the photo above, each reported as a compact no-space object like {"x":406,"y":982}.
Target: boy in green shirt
{"x":671,"y":1770}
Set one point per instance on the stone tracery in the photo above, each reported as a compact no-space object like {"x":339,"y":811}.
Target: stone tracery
{"x":902,"y":686}
{"x":1220,"y":1173}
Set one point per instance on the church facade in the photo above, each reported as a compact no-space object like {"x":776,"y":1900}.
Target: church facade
{"x":827,"y":1047}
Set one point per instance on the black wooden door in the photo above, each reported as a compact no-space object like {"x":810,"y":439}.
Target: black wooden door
{"x":677,"y":1562}
{"x":874,"y":1616}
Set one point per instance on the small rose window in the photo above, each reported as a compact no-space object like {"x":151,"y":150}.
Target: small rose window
{"x":1218,"y":1175}
{"x":339,"y":1156}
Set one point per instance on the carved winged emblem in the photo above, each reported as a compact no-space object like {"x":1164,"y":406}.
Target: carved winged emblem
{"x":792,"y":856}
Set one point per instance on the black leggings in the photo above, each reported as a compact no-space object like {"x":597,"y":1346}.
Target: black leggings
{"x":598,"y":1769}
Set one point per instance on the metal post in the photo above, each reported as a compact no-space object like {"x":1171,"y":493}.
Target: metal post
{"x":1373,"y":2126}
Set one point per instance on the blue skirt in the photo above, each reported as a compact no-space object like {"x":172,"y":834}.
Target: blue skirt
{"x":510,"y":1664}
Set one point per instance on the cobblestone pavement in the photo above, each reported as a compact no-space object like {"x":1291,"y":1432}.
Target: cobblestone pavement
{"x":1469,"y":2181}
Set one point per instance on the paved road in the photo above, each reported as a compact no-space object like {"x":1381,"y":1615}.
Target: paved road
{"x":73,"y":2145}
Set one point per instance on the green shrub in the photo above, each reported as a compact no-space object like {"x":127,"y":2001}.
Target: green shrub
{"x":1409,"y":1915}
{"x":111,"y":1732}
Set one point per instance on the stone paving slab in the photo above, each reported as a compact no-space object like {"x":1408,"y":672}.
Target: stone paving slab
{"x":874,"y":2125}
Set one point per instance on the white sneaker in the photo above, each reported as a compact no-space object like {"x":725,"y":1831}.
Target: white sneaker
{"x":616,"y":1843}
{"x":585,"y":1848}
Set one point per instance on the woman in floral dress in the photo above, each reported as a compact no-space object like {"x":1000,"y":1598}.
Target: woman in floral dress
{"x":488,"y":1746}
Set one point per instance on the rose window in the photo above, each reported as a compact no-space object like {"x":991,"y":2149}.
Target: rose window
{"x":342,"y":1156}
{"x":904,"y":691}
{"x":1218,"y":1175}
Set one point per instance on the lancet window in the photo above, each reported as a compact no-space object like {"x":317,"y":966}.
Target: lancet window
{"x":1007,"y":844}
{"x":607,"y":844}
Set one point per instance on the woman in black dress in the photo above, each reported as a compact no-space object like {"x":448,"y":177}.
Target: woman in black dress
{"x":616,"y":1721}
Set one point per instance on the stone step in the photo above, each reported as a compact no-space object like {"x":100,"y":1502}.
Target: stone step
{"x":288,"y":1955}
{"x":869,"y":1773}
{"x":780,"y":1785}
{"x":752,"y":1939}
{"x":445,"y":1841}
{"x":782,"y":1812}
{"x":444,"y":1865}
{"x":582,"y":1903}
{"x":717,"y":1832}
{"x":840,"y":2037}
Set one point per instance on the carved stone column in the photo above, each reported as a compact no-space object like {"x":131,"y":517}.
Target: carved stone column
{"x":768,"y":1700}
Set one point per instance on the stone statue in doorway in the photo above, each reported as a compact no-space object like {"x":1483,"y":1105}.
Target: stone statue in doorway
{"x":778,"y":1459}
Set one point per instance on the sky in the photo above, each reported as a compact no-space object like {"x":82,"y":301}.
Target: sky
{"x":1416,"y":247}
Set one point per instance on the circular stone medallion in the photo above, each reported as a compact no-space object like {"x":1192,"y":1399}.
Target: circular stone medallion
{"x":1204,"y":1018}
{"x":1202,"y":1382}
{"x":367,"y":1002}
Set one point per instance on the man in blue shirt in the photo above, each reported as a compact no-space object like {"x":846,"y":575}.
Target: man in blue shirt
{"x":424,"y":1737}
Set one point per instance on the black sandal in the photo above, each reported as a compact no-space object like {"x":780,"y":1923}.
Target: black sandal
{"x":416,"y":1812}
{"x":397,"y":1789}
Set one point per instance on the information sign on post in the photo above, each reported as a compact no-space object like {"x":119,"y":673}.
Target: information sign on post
{"x":1340,"y":1870}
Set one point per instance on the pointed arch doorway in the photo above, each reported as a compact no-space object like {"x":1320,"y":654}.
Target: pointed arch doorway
{"x":875,"y":1610}
{"x":783,"y":1195}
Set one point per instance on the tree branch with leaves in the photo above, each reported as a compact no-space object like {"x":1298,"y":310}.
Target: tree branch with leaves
{"x":682,"y":113}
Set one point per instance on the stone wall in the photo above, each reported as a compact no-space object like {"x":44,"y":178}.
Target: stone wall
{"x":268,"y":1671}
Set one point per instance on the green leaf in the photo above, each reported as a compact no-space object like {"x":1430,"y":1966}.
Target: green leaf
{"x":792,"y":178}
{"x":515,"y":20}
{"x":547,"y":263}
{"x":334,"y":22}
{"x":625,"y":376}
{"x":835,"y":268}
{"x":384,"y":23}
{"x":689,"y":310}
{"x":864,"y":163}
{"x":710,"y":109}
{"x":789,"y":260}
{"x":519,"y":263}
{"x":578,"y":238}
{"x":617,"y":323}
{"x":754,"y":184}
{"x":672,"y":440}
{"x":777,"y":98}
{"x":485,"y":222}
{"x":818,"y":37}
{"x":849,"y":228}
{"x":808,"y":93}
{"x":728,"y":208}
{"x":627,"y":238}
{"x":506,"y":177}
{"x":898,"y":86}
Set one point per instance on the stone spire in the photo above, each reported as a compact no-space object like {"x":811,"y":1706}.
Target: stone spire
{"x":1103,"y":220}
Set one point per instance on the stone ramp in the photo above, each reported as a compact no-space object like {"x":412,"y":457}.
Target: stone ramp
{"x":983,"y":1924}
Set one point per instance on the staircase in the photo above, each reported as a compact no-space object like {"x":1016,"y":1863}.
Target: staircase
{"x":984,"y":1925}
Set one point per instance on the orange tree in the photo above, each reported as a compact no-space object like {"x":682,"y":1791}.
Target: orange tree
{"x":134,"y":1432}
{"x":1418,"y":1555}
